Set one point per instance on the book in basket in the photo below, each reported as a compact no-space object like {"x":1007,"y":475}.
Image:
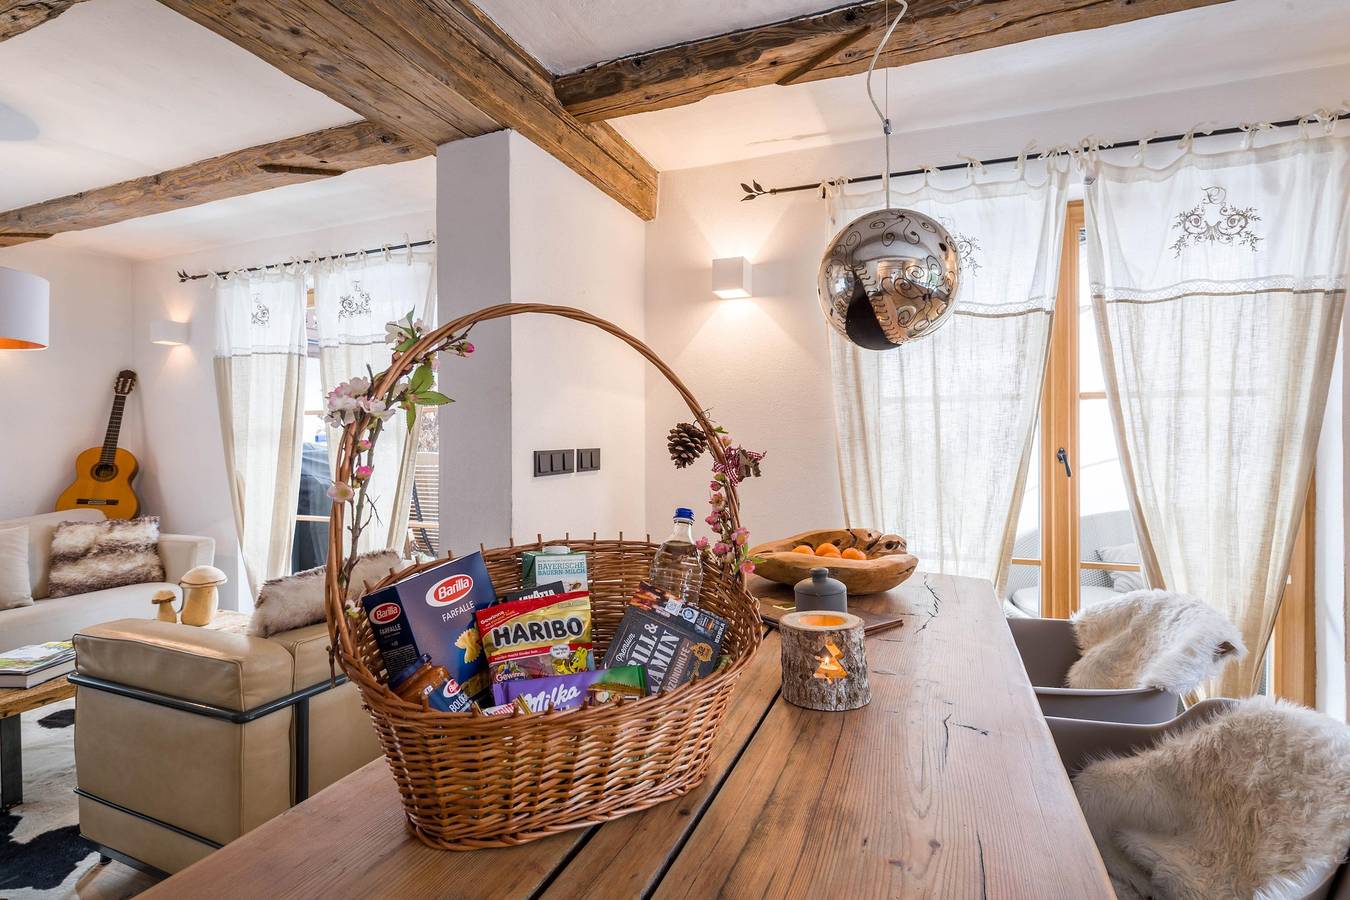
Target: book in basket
{"x":26,"y":667}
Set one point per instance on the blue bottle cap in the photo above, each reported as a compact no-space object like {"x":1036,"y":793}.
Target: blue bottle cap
{"x":684,"y":513}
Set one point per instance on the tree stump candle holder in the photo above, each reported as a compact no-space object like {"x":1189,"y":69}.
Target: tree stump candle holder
{"x":824,"y":661}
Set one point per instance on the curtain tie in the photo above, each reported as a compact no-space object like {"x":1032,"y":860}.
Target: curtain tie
{"x":1143,"y":146}
{"x":1028,"y":150}
{"x":1187,"y":143}
{"x":1250,"y":129}
{"x":973,"y":166}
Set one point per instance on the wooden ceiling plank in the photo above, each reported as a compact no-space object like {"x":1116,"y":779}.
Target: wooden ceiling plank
{"x":437,"y":70}
{"x":309,"y":157}
{"x":18,"y":16}
{"x":798,"y":50}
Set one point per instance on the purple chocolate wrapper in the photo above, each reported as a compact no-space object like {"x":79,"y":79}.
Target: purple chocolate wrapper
{"x":569,"y":691}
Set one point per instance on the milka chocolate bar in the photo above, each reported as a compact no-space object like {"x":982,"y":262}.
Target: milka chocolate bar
{"x":571,"y":691}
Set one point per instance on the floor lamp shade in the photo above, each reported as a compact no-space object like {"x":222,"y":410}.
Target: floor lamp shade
{"x":23,"y":310}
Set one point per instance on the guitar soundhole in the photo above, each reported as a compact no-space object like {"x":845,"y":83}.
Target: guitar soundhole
{"x":104,"y":472}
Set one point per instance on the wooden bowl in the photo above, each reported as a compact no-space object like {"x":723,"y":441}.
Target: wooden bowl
{"x":886,"y":566}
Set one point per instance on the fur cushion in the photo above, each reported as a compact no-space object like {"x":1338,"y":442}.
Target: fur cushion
{"x":297,"y":600}
{"x":1252,"y":803}
{"x":95,"y":556}
{"x":1151,"y":639}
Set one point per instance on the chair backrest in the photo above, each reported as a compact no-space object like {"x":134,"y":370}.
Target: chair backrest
{"x":40,"y":528}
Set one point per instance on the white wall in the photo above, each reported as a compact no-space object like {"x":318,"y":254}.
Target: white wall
{"x":183,"y":459}
{"x":517,"y":225}
{"x":59,"y":398}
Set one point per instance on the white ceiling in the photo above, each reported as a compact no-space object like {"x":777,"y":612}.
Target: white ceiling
{"x":566,"y":35}
{"x":115,"y":89}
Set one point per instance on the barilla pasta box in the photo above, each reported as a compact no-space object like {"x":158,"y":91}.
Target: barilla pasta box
{"x":553,"y":564}
{"x":432,"y":612}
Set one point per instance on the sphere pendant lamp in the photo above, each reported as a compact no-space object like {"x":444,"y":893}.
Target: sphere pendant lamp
{"x":890,"y":276}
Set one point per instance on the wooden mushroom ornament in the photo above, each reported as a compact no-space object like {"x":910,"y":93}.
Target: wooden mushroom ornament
{"x":824,"y":662}
{"x":164,"y":600}
{"x":200,"y":597}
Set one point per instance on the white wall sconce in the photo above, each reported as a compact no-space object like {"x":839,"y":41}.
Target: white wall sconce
{"x":731,"y":277}
{"x":168,"y":333}
{"x":23,"y":310}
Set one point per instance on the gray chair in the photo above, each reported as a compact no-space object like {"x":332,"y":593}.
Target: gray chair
{"x":1080,"y":742}
{"x":1048,"y":651}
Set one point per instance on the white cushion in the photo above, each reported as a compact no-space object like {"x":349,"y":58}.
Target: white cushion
{"x":1123,"y":582}
{"x":40,"y":528}
{"x":58,"y":618}
{"x":14,"y":587}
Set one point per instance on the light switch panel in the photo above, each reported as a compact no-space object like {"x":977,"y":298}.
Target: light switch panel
{"x":588,"y":459}
{"x":554,"y":462}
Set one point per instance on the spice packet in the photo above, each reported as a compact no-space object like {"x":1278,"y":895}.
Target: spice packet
{"x":539,"y":637}
{"x":571,"y":691}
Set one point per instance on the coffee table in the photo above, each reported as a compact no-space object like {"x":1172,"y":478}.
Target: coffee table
{"x":12,"y":702}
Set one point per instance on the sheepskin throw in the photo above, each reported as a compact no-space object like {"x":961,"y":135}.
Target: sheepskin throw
{"x":1254,"y":802}
{"x":95,"y":556}
{"x":297,"y":600}
{"x":1151,"y":639}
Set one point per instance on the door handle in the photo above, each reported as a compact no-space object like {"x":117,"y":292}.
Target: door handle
{"x":1063,"y":457}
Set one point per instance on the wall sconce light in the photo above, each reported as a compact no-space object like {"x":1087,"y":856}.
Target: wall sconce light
{"x":168,"y":333}
{"x":23,"y":310}
{"x":731,"y":277}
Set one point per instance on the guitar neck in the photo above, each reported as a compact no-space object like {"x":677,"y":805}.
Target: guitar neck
{"x":114,"y":429}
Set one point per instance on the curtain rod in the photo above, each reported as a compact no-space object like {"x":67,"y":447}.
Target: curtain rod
{"x":753,"y":190}
{"x":410,"y":245}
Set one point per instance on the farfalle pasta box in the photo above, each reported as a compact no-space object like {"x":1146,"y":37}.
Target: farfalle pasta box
{"x":432,"y":613}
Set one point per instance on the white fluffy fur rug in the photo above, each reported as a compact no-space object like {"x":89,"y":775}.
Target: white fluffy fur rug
{"x":1154,"y":639}
{"x":297,"y":600}
{"x":1252,"y":803}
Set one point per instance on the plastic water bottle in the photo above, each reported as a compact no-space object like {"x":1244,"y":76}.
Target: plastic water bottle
{"x":677,"y":568}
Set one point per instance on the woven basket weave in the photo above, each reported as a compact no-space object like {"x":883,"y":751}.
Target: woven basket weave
{"x":469,"y":781}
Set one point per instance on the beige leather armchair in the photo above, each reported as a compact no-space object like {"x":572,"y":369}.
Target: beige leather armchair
{"x":187,"y":738}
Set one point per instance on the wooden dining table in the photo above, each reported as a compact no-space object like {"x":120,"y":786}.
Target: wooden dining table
{"x":947,"y":785}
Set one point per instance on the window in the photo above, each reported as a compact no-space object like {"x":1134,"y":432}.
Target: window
{"x":310,"y":546}
{"x":424,"y":514}
{"x":1075,"y":510}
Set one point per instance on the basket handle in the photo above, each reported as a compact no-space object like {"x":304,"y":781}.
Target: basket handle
{"x":402,"y":364}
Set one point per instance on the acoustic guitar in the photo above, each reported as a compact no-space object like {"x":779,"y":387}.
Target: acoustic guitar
{"x":103,"y":475}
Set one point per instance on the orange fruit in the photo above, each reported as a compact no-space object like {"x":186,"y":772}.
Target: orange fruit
{"x":827,"y":550}
{"x":803,"y":548}
{"x":853,"y":553}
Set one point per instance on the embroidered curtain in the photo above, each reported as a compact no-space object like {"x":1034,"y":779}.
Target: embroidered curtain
{"x":1218,"y":283}
{"x":354,"y":299}
{"x":260,"y":365}
{"x":934,"y":437}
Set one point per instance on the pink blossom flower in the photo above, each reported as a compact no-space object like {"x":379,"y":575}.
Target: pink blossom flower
{"x":711,"y":519}
{"x":363,"y":445}
{"x":714,"y":486}
{"x":740,"y":536}
{"x":468,"y":348}
{"x":717,"y":501}
{"x":747,"y":567}
{"x":361,"y":473}
{"x":721,"y":548}
{"x":341,"y":492}
{"x":701,"y":543}
{"x":374,"y":407}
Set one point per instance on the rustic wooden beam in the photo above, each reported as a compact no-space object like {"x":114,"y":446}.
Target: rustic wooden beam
{"x":827,"y":45}
{"x":437,"y":70}
{"x":18,"y":16}
{"x":309,"y":157}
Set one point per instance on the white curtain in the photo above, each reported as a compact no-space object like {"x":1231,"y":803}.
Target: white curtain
{"x":354,"y":299}
{"x":260,"y":366}
{"x":1218,"y":283}
{"x":934,"y":437}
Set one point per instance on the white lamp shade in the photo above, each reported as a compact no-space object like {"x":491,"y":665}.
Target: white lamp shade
{"x":23,"y":310}
{"x":168,"y":333}
{"x":731,"y":277}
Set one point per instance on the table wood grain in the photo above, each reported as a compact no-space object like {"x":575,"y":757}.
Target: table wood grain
{"x":21,"y":700}
{"x":880,"y":611}
{"x":947,"y":785}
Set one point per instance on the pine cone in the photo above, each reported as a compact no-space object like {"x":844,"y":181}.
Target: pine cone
{"x":686,"y":444}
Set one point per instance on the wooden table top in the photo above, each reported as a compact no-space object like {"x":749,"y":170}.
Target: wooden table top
{"x":946,"y":785}
{"x":21,"y":700}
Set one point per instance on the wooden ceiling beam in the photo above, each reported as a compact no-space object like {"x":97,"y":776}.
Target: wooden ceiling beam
{"x":18,"y":16}
{"x":436,"y":70}
{"x":831,"y":44}
{"x":309,"y":157}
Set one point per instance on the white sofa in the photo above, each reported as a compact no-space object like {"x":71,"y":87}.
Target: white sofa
{"x":58,"y":618}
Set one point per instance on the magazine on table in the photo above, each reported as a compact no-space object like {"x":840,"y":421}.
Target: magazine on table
{"x":28,"y":666}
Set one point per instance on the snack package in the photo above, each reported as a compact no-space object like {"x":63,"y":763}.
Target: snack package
{"x":553,"y":564}
{"x":517,"y":705}
{"x":544,"y":590}
{"x":431,"y":614}
{"x":571,"y":691}
{"x":534,"y":638}
{"x":673,"y":645}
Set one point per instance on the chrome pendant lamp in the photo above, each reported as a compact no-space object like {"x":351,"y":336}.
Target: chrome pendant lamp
{"x":890,"y":276}
{"x":23,"y":310}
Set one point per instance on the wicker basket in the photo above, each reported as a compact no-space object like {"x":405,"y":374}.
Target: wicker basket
{"x":468,"y":781}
